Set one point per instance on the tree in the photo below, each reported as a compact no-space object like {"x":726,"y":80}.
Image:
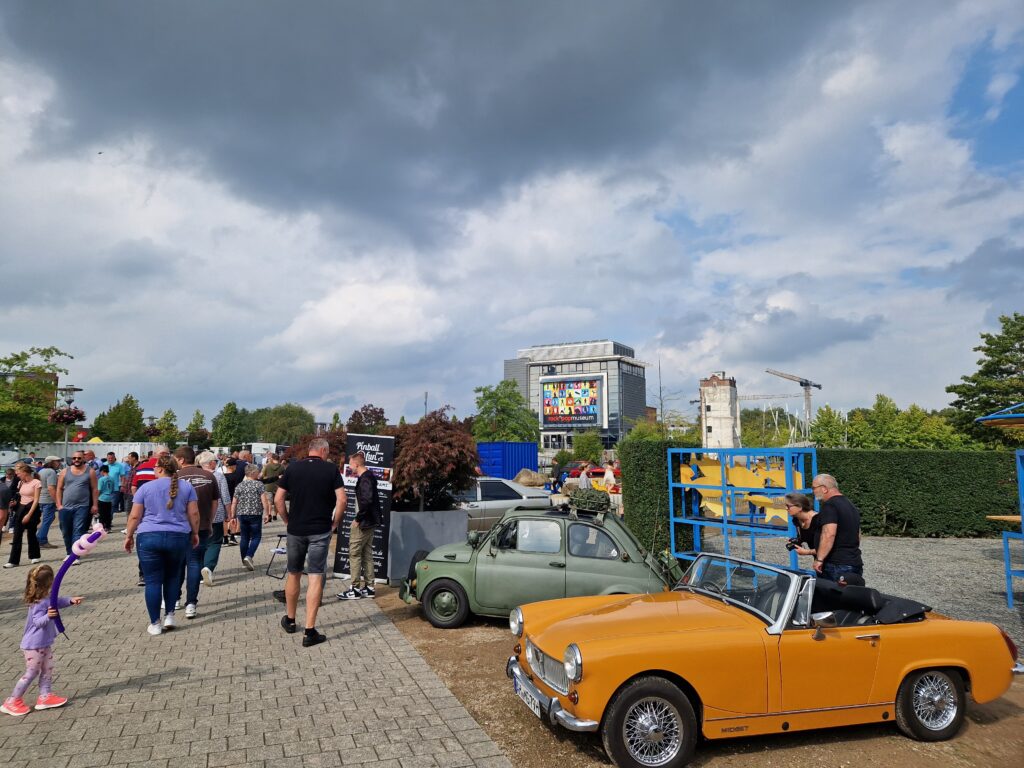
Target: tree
{"x":433,"y":458}
{"x":998,"y":383}
{"x":229,"y":426}
{"x":121,"y":422}
{"x":644,"y":429}
{"x":336,"y":439}
{"x":562,"y":458}
{"x":28,"y":391}
{"x":283,"y":424}
{"x":828,"y":429}
{"x":587,"y":446}
{"x":196,"y":433}
{"x":503,"y":415}
{"x":762,"y":427}
{"x":367,"y":420}
{"x":167,"y":428}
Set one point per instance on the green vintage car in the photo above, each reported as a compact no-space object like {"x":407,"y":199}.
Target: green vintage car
{"x":532,"y":555}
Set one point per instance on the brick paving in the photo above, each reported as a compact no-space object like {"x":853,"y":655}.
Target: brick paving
{"x":228,"y":688}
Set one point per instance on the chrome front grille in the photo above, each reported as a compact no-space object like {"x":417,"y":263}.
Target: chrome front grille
{"x":550,"y":671}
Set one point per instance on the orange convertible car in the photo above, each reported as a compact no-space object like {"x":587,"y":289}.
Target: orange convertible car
{"x":741,"y":648}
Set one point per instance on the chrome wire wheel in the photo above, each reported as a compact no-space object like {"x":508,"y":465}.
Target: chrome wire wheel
{"x":652,"y":731}
{"x":935,"y":701}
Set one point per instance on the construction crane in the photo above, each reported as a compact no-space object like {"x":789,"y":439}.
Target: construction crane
{"x":762,"y":397}
{"x":807,"y":384}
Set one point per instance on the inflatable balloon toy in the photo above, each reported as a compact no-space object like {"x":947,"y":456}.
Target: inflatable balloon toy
{"x":85,"y":544}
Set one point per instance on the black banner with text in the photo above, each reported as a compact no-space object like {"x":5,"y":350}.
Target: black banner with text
{"x":380,"y":456}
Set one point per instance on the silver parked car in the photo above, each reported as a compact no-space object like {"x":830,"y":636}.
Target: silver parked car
{"x":489,"y":498}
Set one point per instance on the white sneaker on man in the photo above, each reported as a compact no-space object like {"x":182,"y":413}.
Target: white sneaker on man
{"x":207,"y":577}
{"x":35,"y":560}
{"x":247,"y":562}
{"x":190,"y":611}
{"x":155,"y":628}
{"x":169,"y":622}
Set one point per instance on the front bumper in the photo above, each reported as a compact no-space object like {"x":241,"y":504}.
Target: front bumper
{"x":549,"y":707}
{"x":1018,"y":668}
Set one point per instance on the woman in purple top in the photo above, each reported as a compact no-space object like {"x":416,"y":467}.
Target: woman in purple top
{"x":165,"y":513}
{"x":40,"y":632}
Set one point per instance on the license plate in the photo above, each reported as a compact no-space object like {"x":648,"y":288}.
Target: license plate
{"x":528,"y":698}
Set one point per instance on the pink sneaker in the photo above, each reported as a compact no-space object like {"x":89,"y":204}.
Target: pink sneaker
{"x":49,"y":701}
{"x":14,"y":707}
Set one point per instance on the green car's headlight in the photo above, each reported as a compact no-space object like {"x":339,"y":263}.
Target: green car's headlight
{"x":515,"y":622}
{"x":573,"y":663}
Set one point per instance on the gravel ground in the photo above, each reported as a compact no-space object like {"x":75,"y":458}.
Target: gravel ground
{"x":961,"y":578}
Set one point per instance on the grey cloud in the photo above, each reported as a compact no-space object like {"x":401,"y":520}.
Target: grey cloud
{"x":992,"y":273}
{"x":399,"y":113}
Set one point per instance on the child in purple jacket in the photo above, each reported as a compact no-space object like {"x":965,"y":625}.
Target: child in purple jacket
{"x":40,"y":632}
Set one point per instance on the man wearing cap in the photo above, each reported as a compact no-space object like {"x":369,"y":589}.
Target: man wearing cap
{"x":47,"y":499}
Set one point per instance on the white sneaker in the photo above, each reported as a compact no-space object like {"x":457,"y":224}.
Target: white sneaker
{"x":9,"y":565}
{"x":155,"y":628}
{"x":177,"y":604}
{"x":190,"y":611}
{"x":169,"y":622}
{"x":247,"y":562}
{"x":207,"y":577}
{"x":35,"y":560}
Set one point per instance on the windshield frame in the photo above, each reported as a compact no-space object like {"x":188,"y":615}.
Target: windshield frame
{"x":775,"y":625}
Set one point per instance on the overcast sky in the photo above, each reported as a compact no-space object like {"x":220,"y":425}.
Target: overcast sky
{"x":337,"y":203}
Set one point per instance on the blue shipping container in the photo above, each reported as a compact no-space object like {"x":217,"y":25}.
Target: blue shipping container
{"x":507,"y":459}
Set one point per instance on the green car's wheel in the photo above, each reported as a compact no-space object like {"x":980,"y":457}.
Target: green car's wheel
{"x":650,"y":724}
{"x":445,"y":604}
{"x":931,"y":704}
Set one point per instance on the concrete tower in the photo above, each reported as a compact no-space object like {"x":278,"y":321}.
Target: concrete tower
{"x":719,"y":412}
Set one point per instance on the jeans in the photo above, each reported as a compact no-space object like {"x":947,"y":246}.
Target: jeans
{"x":106,"y":512}
{"x":162,"y":556}
{"x":250,"y":529}
{"x":30,"y":529}
{"x":115,"y":504}
{"x":833,"y":572}
{"x":74,"y":523}
{"x":49,"y":512}
{"x":191,"y":573}
{"x":215,"y":542}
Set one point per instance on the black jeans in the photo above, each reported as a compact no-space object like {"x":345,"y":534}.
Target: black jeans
{"x":19,"y":528}
{"x":106,"y":512}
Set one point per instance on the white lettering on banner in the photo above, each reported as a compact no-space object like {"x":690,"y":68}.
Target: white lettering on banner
{"x":372,"y":452}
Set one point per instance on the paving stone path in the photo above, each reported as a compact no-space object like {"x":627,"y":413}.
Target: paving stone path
{"x":228,"y":688}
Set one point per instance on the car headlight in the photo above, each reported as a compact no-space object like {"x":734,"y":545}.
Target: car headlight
{"x":515,"y":622}
{"x":573,"y":663}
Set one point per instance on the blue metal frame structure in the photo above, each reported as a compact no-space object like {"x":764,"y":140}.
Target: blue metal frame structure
{"x":734,"y":521}
{"x":1010,"y":418}
{"x":1009,"y":536}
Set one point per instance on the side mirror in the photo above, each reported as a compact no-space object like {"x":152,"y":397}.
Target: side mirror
{"x":820,"y":621}
{"x":473,"y":539}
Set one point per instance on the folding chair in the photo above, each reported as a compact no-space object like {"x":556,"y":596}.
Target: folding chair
{"x":278,"y":550}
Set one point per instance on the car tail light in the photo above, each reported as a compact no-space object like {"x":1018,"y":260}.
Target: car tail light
{"x":1009,"y":644}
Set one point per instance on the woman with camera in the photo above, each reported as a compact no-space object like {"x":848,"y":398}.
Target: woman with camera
{"x":808,"y":527}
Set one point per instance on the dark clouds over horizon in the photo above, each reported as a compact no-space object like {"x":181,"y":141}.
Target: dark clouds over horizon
{"x":339,"y":203}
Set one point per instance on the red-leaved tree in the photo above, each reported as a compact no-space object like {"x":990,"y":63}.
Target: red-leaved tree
{"x":433,"y":458}
{"x":335,"y":437}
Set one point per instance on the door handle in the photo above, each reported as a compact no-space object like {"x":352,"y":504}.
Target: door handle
{"x":873,"y":638}
{"x":556,"y":564}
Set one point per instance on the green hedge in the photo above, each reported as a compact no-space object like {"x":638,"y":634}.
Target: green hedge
{"x":926,"y":493}
{"x":899,"y":493}
{"x":645,"y":494}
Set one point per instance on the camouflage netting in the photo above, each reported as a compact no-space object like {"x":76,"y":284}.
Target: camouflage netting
{"x":530,"y":479}
{"x":590,"y":500}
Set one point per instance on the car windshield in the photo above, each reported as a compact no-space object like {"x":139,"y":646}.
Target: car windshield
{"x":760,"y":589}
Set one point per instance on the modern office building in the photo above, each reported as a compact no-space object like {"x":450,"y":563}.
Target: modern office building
{"x":580,"y":386}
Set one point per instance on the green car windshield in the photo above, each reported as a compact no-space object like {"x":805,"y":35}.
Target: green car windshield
{"x":759,"y":589}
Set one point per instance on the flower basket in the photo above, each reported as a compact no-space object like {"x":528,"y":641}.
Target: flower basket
{"x":68,"y":415}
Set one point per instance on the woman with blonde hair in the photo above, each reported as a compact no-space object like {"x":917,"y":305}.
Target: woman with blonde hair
{"x":165,"y":513}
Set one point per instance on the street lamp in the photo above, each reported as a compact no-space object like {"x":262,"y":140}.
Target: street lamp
{"x":67,"y":394}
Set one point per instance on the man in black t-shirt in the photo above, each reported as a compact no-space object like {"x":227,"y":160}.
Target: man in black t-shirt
{"x":316,"y":493}
{"x":839,"y":547}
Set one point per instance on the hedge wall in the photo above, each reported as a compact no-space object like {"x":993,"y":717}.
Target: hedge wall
{"x":899,"y":493}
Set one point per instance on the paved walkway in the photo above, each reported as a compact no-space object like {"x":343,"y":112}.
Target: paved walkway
{"x":228,"y":688}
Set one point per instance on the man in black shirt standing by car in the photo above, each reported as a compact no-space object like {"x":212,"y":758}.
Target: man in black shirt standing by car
{"x":317,"y":495}
{"x":360,"y":542}
{"x":839,"y":547}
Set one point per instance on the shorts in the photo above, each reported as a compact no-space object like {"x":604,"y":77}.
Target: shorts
{"x":308,"y":553}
